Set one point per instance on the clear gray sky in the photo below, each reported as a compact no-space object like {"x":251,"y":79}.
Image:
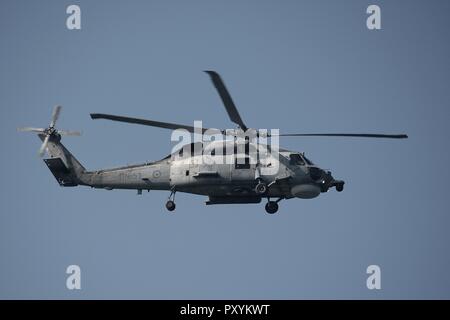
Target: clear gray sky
{"x":301,"y":66}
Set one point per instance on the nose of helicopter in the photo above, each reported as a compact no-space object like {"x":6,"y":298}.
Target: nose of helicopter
{"x":324,"y":179}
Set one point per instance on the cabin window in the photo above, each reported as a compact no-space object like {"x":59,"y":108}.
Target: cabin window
{"x":242,"y":162}
{"x":246,"y":147}
{"x":187,"y":173}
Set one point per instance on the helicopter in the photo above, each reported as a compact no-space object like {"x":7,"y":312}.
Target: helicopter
{"x":251,"y":172}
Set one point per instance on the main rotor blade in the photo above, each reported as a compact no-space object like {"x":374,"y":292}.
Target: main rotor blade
{"x":159,"y":124}
{"x":30,"y":129}
{"x":226,"y":99}
{"x":55,"y":115}
{"x":352,"y":135}
{"x":69,"y":133}
{"x":44,"y":145}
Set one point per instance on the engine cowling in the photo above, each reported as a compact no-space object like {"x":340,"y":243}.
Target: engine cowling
{"x":305,"y":191}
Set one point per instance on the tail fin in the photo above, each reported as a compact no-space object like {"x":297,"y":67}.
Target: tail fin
{"x":67,"y":170}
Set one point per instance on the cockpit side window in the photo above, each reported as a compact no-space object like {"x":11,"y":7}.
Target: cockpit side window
{"x":296,"y":159}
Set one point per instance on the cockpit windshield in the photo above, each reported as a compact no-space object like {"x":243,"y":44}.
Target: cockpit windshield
{"x":299,"y":160}
{"x":296,"y":159}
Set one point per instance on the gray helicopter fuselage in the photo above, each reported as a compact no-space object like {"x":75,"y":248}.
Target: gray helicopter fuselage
{"x":288,"y":174}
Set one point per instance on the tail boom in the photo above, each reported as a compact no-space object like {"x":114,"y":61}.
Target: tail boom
{"x":68,"y":171}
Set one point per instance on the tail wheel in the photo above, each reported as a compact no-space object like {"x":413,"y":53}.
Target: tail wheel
{"x":170,"y":205}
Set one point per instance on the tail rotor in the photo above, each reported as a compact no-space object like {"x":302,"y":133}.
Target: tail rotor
{"x":50,"y":131}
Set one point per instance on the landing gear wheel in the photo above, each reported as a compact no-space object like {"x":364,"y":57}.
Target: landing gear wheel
{"x":261,"y":188}
{"x":340,"y":187}
{"x":170,"y":205}
{"x":271,"y":207}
